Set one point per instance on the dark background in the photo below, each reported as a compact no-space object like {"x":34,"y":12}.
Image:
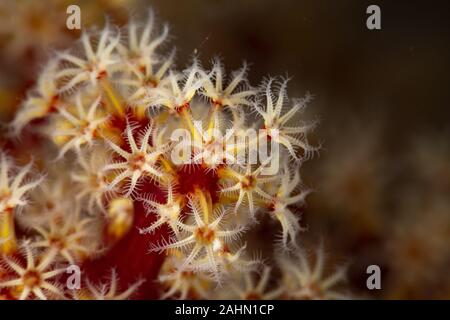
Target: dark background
{"x":400,"y":70}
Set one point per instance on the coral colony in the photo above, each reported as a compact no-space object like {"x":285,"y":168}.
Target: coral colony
{"x":158,"y":177}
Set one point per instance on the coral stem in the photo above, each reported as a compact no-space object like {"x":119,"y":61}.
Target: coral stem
{"x":114,"y":101}
{"x":8,"y":243}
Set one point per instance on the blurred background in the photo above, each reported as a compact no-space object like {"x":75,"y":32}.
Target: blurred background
{"x":383,"y":176}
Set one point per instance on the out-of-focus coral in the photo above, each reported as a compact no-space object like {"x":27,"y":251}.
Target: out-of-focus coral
{"x":429,"y":158}
{"x":416,"y":247}
{"x":35,"y":278}
{"x":417,"y":251}
{"x":29,"y":28}
{"x":351,"y":175}
{"x":251,"y":285}
{"x":305,"y":277}
{"x":106,"y":290}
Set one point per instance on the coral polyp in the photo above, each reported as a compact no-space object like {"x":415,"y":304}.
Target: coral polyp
{"x":153,"y":172}
{"x":35,"y":277}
